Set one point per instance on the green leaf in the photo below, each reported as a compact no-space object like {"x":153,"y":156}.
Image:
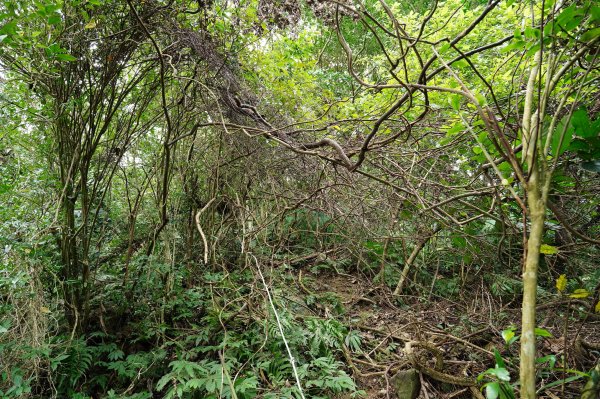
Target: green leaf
{"x":532,"y":50}
{"x":570,"y":17}
{"x":508,"y":335}
{"x":590,"y":35}
{"x":457,"y":127}
{"x":498,"y":357}
{"x":567,"y":137}
{"x":517,"y":44}
{"x":461,"y":63}
{"x":65,"y":57}
{"x":582,"y":125}
{"x":518,"y":34}
{"x":532,"y":33}
{"x":480,"y":99}
{"x":492,"y":390}
{"x":444,"y":48}
{"x":54,"y":19}
{"x":559,"y":382}
{"x":455,"y":101}
{"x":541,"y":332}
{"x":550,"y":359}
{"x":549,"y":28}
{"x":595,"y":13}
{"x":502,"y":374}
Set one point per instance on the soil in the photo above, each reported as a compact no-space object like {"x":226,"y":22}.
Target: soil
{"x":467,"y":332}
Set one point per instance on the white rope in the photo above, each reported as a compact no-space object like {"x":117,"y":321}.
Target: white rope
{"x":287,"y":347}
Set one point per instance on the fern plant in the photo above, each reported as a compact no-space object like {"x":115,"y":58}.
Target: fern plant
{"x":209,"y":378}
{"x":70,"y":364}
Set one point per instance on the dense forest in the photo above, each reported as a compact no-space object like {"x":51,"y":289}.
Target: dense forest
{"x":299,"y":199}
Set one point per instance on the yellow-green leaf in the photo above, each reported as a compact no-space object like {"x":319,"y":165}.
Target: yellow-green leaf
{"x":480,"y":99}
{"x":597,"y":308}
{"x":90,"y":25}
{"x":548,"y":249}
{"x":561,"y":283}
{"x":580,"y":293}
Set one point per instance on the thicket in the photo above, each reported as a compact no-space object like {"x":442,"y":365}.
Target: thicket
{"x":293,"y":199}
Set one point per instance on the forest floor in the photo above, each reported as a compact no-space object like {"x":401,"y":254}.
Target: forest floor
{"x":460,"y":336}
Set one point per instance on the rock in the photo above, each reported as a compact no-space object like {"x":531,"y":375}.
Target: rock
{"x":407,"y":384}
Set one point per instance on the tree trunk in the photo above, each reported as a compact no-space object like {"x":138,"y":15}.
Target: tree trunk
{"x":411,"y":260}
{"x":537,"y":212}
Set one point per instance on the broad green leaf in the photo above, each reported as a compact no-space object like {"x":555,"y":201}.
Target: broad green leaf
{"x":590,"y":35}
{"x":595,"y":13}
{"x":566,"y":139}
{"x":54,"y":19}
{"x":65,"y":57}
{"x":583,"y":126}
{"x":550,"y":28}
{"x":492,"y":390}
{"x":542,"y":332}
{"x":502,"y":374}
{"x":532,"y":33}
{"x":570,"y":17}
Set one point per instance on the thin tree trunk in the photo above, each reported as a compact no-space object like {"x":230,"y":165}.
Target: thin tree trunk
{"x":411,"y":260}
{"x":537,"y":212}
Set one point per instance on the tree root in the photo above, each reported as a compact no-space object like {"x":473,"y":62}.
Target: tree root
{"x":435,"y":373}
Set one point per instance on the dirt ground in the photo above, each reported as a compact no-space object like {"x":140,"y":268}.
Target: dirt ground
{"x":466,"y":334}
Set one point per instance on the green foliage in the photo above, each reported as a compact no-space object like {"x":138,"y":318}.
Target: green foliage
{"x":210,"y":378}
{"x":305,"y":230}
{"x":17,"y":385}
{"x":505,"y":286}
{"x":145,"y":175}
{"x":447,"y":287}
{"x":69,"y":363}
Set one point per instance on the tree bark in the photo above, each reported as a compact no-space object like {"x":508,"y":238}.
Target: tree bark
{"x":537,"y":213}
